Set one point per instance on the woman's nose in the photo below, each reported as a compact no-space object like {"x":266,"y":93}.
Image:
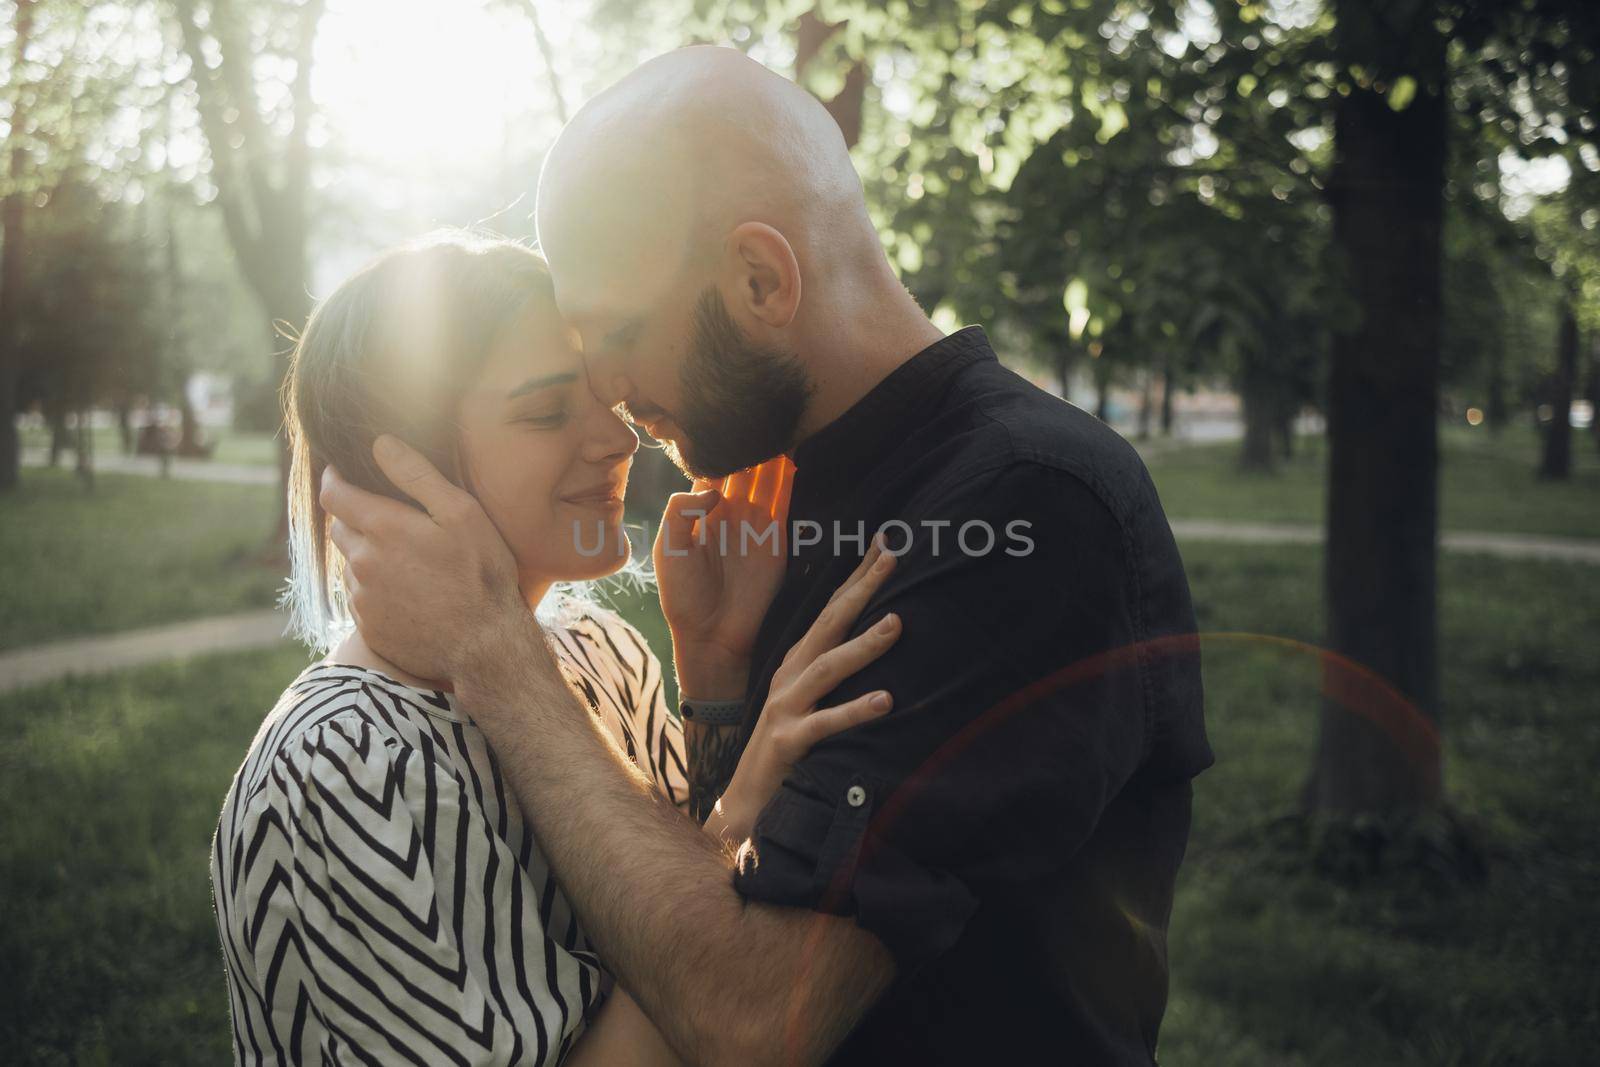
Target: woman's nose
{"x":611,"y":440}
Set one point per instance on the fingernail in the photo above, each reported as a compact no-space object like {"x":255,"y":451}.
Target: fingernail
{"x":885,"y":561}
{"x":887,"y":624}
{"x":880,"y":700}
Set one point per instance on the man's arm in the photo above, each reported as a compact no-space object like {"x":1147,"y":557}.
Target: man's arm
{"x":712,"y":753}
{"x":727,"y":982}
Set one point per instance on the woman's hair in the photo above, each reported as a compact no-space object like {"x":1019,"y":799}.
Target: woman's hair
{"x":391,"y":350}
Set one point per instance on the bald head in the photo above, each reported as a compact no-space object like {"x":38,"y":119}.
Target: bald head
{"x":710,"y":247}
{"x":650,"y":176}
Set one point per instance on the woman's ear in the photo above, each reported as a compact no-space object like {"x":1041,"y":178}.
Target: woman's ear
{"x":764,"y":275}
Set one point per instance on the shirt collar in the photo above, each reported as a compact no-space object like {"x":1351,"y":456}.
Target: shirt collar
{"x":852,"y":443}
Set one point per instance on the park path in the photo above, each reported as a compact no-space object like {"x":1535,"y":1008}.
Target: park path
{"x":23,"y":667}
{"x":1504,"y":545}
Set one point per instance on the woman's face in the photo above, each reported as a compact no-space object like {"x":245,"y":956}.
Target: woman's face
{"x":548,"y":462}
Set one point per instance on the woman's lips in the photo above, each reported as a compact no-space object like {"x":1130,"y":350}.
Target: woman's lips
{"x":603,"y":500}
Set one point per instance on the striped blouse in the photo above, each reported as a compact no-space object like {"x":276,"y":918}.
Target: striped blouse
{"x":380,"y":898}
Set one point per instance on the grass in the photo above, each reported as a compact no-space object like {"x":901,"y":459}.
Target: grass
{"x":112,"y":789}
{"x":133,"y":552}
{"x":109,"y":946}
{"x":1275,"y":965}
{"x":1486,"y":484}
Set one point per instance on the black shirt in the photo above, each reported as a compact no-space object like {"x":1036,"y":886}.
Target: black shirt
{"x":1012,"y":829}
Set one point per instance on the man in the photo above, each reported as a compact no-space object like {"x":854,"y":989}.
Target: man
{"x":984,"y":874}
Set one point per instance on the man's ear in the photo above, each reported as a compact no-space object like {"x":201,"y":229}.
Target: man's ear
{"x":764,"y":274}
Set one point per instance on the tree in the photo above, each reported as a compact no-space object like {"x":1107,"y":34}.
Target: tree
{"x":91,"y":329}
{"x":260,"y":156}
{"x":1387,"y":190}
{"x":13,"y":213}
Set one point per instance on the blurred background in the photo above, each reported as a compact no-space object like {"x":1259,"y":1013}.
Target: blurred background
{"x":1333,"y":266}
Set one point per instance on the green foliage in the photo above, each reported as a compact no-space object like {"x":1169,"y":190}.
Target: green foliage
{"x":90,"y":332}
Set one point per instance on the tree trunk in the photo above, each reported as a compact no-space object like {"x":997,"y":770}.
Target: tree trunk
{"x":12,"y":213}
{"x":188,"y":424}
{"x":124,"y":410}
{"x":1556,"y":462}
{"x":1377,"y":748}
{"x":84,"y":440}
{"x":1594,"y":388}
{"x":264,"y":207}
{"x":1259,"y":410}
{"x":1064,"y":361}
{"x":1166,"y":396}
{"x":60,"y":441}
{"x":1147,"y":405}
{"x":1102,"y":391}
{"x":1495,"y":411}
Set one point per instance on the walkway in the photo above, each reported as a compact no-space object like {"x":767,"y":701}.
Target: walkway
{"x":257,"y":629}
{"x":23,"y":667}
{"x":1506,"y":546}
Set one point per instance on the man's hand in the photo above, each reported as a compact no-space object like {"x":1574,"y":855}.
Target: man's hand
{"x":433,"y":589}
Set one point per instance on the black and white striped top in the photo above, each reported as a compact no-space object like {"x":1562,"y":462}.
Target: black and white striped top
{"x":380,"y":898}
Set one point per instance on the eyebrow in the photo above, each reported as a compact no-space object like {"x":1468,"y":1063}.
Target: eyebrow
{"x":535,"y":384}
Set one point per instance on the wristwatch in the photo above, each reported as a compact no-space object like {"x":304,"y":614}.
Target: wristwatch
{"x":712,"y":712}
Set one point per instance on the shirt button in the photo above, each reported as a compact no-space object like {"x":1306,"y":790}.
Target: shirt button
{"x":855,"y":796}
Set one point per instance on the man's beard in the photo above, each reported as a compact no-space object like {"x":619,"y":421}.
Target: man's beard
{"x":741,"y":401}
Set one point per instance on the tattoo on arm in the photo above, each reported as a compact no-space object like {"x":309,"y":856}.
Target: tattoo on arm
{"x":713,"y":753}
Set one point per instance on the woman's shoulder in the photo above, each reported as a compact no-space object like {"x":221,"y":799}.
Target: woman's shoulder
{"x":342,"y":716}
{"x":600,"y":632}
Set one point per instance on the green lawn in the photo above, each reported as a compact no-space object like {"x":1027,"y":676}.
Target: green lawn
{"x":114,"y":786}
{"x":134,"y":551}
{"x":1487,"y":484}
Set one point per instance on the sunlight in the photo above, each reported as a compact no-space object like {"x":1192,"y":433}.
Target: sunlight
{"x":415,"y":88}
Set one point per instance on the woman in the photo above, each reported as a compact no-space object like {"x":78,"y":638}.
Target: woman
{"x":378,"y":894}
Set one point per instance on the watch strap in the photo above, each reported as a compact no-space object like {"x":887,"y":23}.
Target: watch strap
{"x":712,"y":712}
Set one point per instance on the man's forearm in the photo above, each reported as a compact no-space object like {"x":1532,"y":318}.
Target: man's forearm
{"x":724,"y":981}
{"x":712,"y":753}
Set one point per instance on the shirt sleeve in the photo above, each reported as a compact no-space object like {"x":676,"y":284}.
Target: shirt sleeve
{"x":1019,"y":712}
{"x":388,"y":923}
{"x":649,"y":732}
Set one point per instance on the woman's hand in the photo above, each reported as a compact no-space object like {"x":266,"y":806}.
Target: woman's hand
{"x":719,"y":559}
{"x":790,"y":722}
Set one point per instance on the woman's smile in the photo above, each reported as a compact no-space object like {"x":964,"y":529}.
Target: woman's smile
{"x":603,"y":496}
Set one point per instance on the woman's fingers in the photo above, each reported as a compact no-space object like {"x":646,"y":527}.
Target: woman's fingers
{"x":829,"y":721}
{"x":832,"y":667}
{"x":842,"y":611}
{"x":839,"y":614}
